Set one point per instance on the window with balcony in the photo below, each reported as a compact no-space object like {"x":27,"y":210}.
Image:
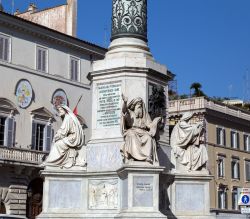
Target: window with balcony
{"x":246,"y":142}
{"x":74,"y":69}
{"x":221,"y":136}
{"x":7,"y":123}
{"x":41,"y":136}
{"x":42,"y":132}
{"x":4,"y":48}
{"x":221,"y":166}
{"x":42,"y":59}
{"x":235,"y":168}
{"x":235,"y":140}
{"x":247,"y":169}
{"x":222,"y":197}
{"x":234,"y":198}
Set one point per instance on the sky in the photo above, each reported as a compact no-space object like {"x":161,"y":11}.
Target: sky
{"x":205,"y":41}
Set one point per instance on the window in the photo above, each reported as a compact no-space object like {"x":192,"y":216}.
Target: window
{"x":246,"y":142}
{"x":222,"y":198}
{"x":220,"y":166}
{"x":235,"y":168}
{"x":7,"y":131}
{"x":41,"y":136}
{"x":74,"y":69}
{"x":42,"y":59}
{"x":41,"y":129}
{"x":2,"y":128}
{"x":247,"y":170}
{"x":235,"y":140}
{"x":234,"y":198}
{"x":4,"y":48}
{"x":221,"y":136}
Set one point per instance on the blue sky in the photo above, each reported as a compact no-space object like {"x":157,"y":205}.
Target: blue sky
{"x":206,"y":41}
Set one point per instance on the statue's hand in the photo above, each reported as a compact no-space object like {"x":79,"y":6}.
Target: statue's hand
{"x":125,"y":99}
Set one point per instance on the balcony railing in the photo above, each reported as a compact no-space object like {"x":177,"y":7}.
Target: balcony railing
{"x":202,"y":103}
{"x":30,"y":157}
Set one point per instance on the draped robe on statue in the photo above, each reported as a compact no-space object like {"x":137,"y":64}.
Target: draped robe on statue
{"x":185,"y":143}
{"x":139,"y":134}
{"x":67,"y":141}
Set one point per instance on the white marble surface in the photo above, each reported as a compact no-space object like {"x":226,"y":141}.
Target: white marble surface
{"x":189,"y":196}
{"x":65,"y":194}
{"x":104,"y":157}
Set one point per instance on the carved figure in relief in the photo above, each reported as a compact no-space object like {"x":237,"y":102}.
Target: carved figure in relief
{"x":67,"y":141}
{"x":190,"y":154}
{"x":139,"y":132}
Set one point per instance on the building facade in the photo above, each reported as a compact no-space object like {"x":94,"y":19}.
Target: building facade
{"x":227,"y":138}
{"x":39,"y":68}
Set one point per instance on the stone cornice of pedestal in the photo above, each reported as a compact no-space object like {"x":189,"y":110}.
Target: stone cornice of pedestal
{"x":70,"y":173}
{"x":129,"y":72}
{"x":129,"y":61}
{"x":191,"y":176}
{"x":140,"y":169}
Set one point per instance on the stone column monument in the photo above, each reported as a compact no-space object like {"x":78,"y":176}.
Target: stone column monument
{"x":120,"y":178}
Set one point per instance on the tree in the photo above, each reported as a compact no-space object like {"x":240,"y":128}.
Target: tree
{"x":196,"y":86}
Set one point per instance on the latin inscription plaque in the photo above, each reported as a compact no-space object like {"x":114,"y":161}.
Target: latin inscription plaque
{"x":143,"y":191}
{"x":108,"y":104}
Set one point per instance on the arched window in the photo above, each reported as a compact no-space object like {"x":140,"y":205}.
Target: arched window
{"x":35,"y":197}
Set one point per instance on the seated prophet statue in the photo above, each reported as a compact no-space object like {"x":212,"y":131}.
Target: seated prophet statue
{"x":190,"y":154}
{"x":139,"y":132}
{"x":67,"y":141}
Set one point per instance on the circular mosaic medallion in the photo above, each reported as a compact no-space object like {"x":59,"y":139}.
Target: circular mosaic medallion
{"x":59,"y":97}
{"x":24,"y":93}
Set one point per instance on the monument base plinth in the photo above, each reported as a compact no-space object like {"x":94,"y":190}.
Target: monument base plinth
{"x":79,"y":194}
{"x":140,"y":191}
{"x":190,"y":195}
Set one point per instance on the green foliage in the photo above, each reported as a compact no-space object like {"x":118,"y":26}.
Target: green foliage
{"x":196,"y":86}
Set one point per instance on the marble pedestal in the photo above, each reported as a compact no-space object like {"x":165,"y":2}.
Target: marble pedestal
{"x":79,"y":194}
{"x":190,"y":197}
{"x":140,"y":191}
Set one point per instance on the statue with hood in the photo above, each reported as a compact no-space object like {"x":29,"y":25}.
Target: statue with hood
{"x":67,"y":141}
{"x":139,"y":132}
{"x":187,"y":149}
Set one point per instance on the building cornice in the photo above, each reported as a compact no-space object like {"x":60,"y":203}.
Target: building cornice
{"x":49,"y":34}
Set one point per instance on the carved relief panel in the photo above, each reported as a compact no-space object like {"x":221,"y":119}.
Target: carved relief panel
{"x":103,"y":194}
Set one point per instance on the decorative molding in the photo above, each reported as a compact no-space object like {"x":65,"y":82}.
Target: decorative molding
{"x":129,"y":19}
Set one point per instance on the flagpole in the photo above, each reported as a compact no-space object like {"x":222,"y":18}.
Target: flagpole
{"x":75,"y":109}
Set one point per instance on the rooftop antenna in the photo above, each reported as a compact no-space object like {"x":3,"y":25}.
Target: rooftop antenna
{"x":105,"y":36}
{"x":12,"y":6}
{"x":246,"y":87}
{"x":230,"y":88}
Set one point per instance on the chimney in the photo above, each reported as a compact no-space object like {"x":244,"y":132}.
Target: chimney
{"x":32,"y":7}
{"x":71,"y":17}
{"x":17,"y":12}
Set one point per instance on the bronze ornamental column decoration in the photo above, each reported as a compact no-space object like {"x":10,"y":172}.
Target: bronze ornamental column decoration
{"x":129,"y":19}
